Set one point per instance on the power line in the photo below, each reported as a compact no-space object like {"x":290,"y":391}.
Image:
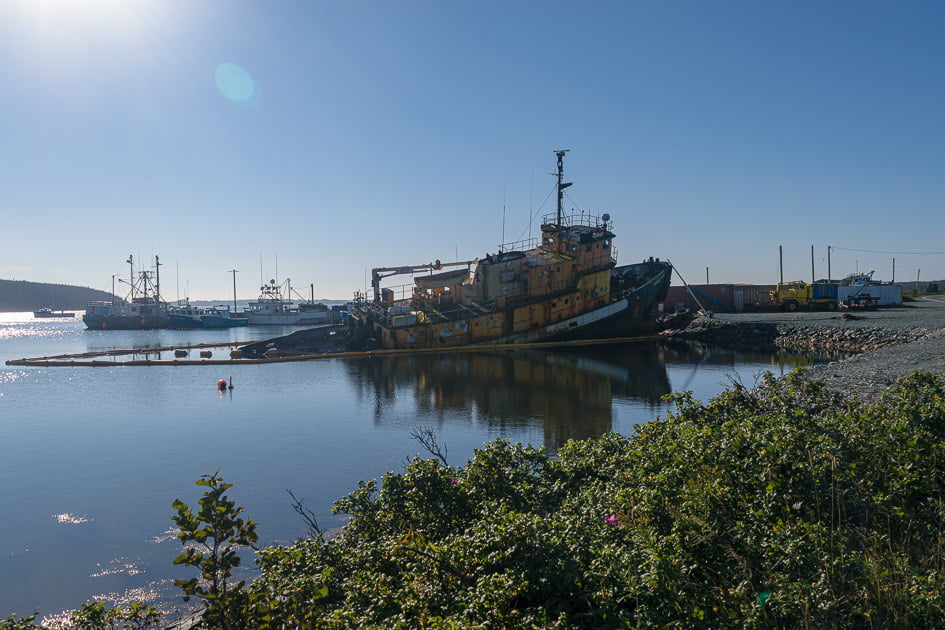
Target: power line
{"x":879,"y":251}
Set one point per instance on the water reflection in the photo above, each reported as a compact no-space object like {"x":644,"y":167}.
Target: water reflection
{"x":565,"y":394}
{"x":568,"y":395}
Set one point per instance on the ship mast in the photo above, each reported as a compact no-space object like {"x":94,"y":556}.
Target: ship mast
{"x":157,"y":280}
{"x":561,"y":183}
{"x":131,"y":276}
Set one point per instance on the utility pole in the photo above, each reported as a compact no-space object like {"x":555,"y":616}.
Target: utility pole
{"x":234,"y":272}
{"x":707,"y":276}
{"x":829,"y":274}
{"x":812,"y":264}
{"x":894,"y":271}
{"x":781,"y":261}
{"x":918,"y":271}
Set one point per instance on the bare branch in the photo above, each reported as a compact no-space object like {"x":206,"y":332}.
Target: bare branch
{"x":314,"y":531}
{"x":427,"y":438}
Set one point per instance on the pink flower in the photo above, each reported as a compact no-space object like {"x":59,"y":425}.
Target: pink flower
{"x":611,"y":520}
{"x":454,"y":481}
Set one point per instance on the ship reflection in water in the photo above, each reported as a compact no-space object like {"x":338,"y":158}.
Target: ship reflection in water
{"x":565,"y":395}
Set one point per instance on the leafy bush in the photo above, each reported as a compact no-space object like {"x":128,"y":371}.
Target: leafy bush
{"x":212,"y":538}
{"x":97,"y":616}
{"x":779,"y":507}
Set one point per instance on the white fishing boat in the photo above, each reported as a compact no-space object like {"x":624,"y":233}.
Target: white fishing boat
{"x":274,"y":307}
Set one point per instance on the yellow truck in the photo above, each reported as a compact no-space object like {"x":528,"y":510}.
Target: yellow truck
{"x":791,"y":296}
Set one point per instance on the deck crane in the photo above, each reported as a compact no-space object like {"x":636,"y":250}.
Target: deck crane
{"x":379,"y":273}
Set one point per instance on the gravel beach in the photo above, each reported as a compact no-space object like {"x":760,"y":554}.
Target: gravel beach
{"x":894,"y":341}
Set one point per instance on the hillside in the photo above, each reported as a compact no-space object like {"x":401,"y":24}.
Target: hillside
{"x":20,"y":295}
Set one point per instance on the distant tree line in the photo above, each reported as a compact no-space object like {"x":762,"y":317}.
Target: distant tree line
{"x":20,"y":295}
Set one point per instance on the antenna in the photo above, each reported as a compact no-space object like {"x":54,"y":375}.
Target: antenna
{"x":531,"y":203}
{"x":561,"y":184}
{"x":505,"y":190}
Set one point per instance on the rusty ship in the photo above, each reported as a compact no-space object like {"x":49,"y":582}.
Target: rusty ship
{"x":564,"y":285}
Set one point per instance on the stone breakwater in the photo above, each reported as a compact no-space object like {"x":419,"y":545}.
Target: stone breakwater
{"x":762,"y":335}
{"x":888,"y":344}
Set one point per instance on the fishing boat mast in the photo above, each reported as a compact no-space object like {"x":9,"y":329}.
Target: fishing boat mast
{"x":131,"y":277}
{"x":561,"y":183}
{"x":157,"y":280}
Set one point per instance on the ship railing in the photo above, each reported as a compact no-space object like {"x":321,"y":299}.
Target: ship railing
{"x":519,"y":246}
{"x":402,"y":291}
{"x":575,"y":218}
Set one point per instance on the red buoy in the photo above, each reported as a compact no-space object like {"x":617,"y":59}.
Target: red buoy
{"x":221,"y":385}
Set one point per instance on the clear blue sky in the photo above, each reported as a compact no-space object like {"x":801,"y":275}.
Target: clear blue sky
{"x":336,"y":136}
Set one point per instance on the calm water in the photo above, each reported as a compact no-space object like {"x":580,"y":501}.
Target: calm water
{"x":91,"y":458}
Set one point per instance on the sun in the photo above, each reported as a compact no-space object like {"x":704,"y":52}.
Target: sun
{"x":85,"y":13}
{"x":57,"y":28}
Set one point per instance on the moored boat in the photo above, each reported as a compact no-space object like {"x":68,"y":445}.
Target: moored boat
{"x":142,"y":308}
{"x":566,"y":285}
{"x":222,"y":317}
{"x":48,"y":312}
{"x":185,"y":315}
{"x":274,"y":307}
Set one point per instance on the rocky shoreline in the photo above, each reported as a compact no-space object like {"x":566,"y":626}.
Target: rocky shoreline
{"x":892,"y":342}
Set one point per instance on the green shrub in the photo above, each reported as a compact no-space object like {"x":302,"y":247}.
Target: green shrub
{"x":780,"y":507}
{"x":212,"y":538}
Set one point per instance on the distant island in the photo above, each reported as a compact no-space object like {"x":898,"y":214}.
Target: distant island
{"x":21,"y":295}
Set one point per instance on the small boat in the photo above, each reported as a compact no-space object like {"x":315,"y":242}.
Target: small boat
{"x":185,"y":315}
{"x":48,"y":312}
{"x":222,"y":317}
{"x":274,"y":307}
{"x":142,"y":308}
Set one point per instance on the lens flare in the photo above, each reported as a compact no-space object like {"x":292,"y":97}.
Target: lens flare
{"x":235,"y":83}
